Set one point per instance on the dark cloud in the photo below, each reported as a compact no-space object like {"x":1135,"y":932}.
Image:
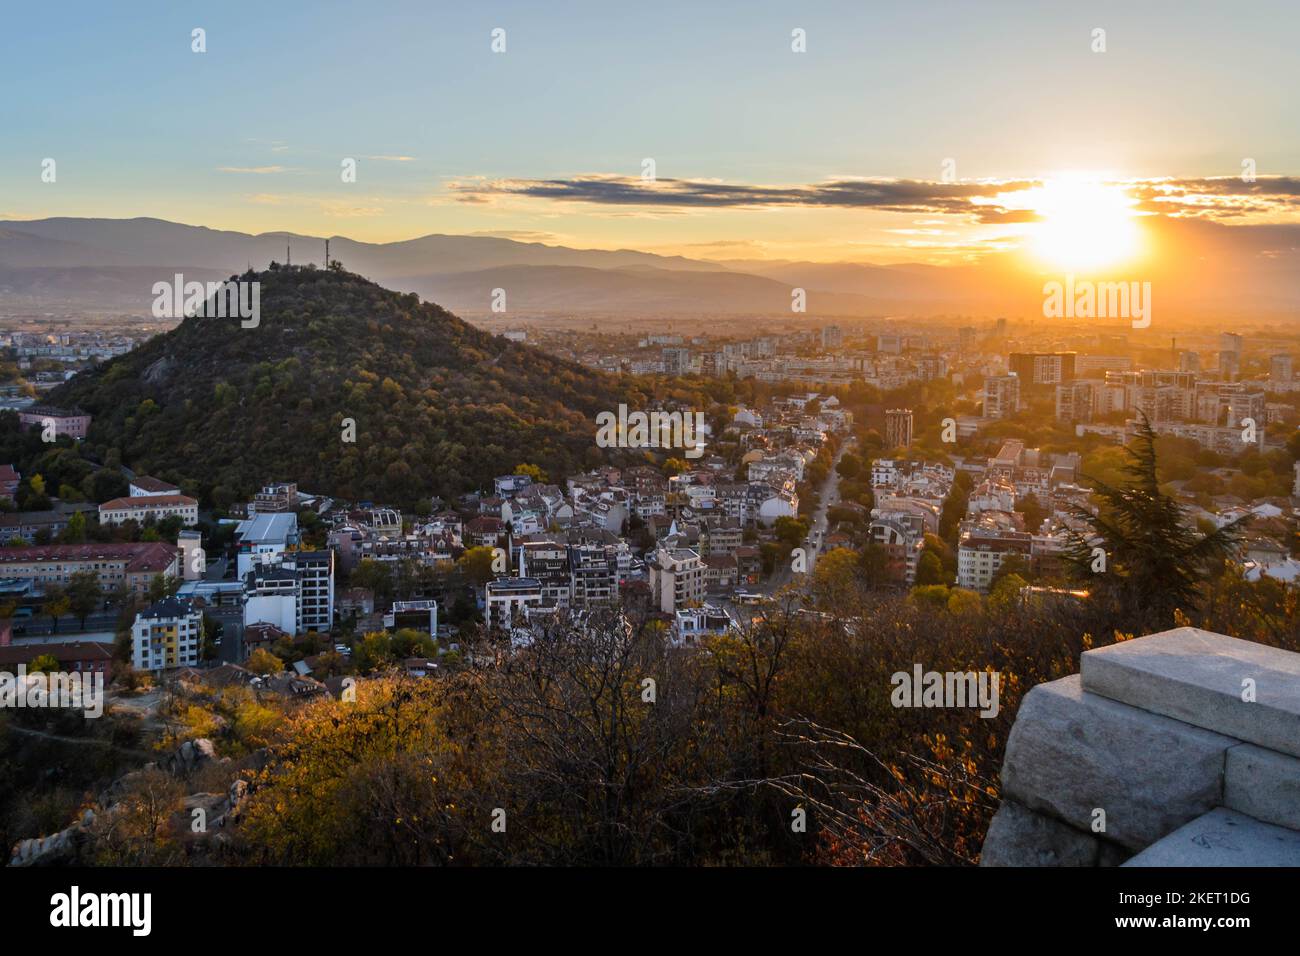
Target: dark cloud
{"x":1226,"y":197}
{"x":894,"y":195}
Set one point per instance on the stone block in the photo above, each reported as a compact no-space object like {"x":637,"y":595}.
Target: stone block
{"x":1223,"y":837}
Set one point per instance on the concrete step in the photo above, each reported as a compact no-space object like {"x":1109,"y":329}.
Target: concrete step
{"x":1223,"y":837}
{"x":1201,"y":678}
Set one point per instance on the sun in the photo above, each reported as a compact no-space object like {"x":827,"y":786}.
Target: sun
{"x":1086,"y":223}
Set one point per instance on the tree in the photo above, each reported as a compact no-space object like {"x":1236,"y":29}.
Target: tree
{"x":1151,"y":559}
{"x":56,"y":605}
{"x":44,"y":664}
{"x":75,"y":531}
{"x":476,"y":565}
{"x":929,"y":570}
{"x":263,"y":662}
{"x":84,"y":594}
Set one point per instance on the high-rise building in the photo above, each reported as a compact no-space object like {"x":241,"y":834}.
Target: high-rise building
{"x":898,"y":428}
{"x":1189,"y":361}
{"x":1074,"y":401}
{"x":1281,"y":368}
{"x":1001,"y":396}
{"x":677,"y":361}
{"x":832,"y":337}
{"x":1042,"y":370}
{"x":1229,"y":366}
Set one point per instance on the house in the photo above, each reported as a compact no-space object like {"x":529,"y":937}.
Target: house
{"x":263,"y":636}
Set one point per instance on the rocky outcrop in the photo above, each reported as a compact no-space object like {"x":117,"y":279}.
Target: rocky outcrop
{"x":220,"y":812}
{"x":1178,"y":730}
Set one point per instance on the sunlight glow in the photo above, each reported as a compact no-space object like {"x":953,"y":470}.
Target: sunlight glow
{"x":1085,"y":223}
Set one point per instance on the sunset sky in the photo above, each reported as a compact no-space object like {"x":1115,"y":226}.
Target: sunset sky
{"x":833,"y":154}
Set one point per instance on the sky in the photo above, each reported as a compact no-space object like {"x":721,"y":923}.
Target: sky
{"x":758,"y":151}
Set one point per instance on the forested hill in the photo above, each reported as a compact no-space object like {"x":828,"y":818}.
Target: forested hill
{"x":439,"y":406}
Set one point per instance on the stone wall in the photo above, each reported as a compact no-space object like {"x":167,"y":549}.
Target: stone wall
{"x":1177,"y":749}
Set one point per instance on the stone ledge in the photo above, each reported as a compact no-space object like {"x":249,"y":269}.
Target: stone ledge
{"x":1072,"y":752}
{"x":1223,"y":837}
{"x":1019,"y":836}
{"x":1263,"y":784}
{"x":1197,"y":677}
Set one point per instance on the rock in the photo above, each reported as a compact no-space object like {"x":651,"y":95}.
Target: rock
{"x":1223,"y":837}
{"x":1019,"y":836}
{"x":1071,"y":753}
{"x":1199,"y":677}
{"x":1263,"y":784}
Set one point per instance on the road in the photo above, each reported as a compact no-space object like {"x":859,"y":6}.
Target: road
{"x":829,"y":495}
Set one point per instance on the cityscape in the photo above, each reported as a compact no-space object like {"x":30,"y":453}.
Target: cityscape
{"x":740,"y":449}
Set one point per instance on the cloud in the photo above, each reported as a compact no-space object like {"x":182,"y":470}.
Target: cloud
{"x":988,"y":202}
{"x":255,"y":170}
{"x":391,"y":159}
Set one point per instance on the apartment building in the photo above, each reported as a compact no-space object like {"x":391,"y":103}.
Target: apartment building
{"x":509,"y":599}
{"x":981,"y":552}
{"x":677,"y":579}
{"x":166,"y":635}
{"x":131,"y":565}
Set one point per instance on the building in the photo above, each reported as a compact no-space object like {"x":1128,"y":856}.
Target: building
{"x":1281,"y":368}
{"x":898,"y":428}
{"x":508,"y":601}
{"x":594,"y":569}
{"x":1041,"y":370}
{"x":275,"y":499}
{"x":72,"y":422}
{"x":1001,"y":396}
{"x":1074,"y":401}
{"x":315,"y":571}
{"x":982,"y":551}
{"x":677,"y":361}
{"x":151,"y":507}
{"x":32,"y":526}
{"x":143,"y":486}
{"x":832,"y":337}
{"x":166,"y":635}
{"x":416,"y":615}
{"x":74,"y":657}
{"x":133,"y":566}
{"x":9,"y":479}
{"x":264,"y":538}
{"x":295,"y":593}
{"x":677,"y":579}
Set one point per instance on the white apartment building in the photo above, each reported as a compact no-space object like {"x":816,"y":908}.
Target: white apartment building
{"x":677,"y":579}
{"x":166,"y":635}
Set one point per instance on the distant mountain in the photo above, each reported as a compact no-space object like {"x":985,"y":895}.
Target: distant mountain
{"x":459,"y":271}
{"x":437,"y":404}
{"x":1205,"y":268}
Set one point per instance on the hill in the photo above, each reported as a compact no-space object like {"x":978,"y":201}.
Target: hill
{"x":438,"y":405}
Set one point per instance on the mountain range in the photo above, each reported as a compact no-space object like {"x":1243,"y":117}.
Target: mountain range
{"x":111,"y":264}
